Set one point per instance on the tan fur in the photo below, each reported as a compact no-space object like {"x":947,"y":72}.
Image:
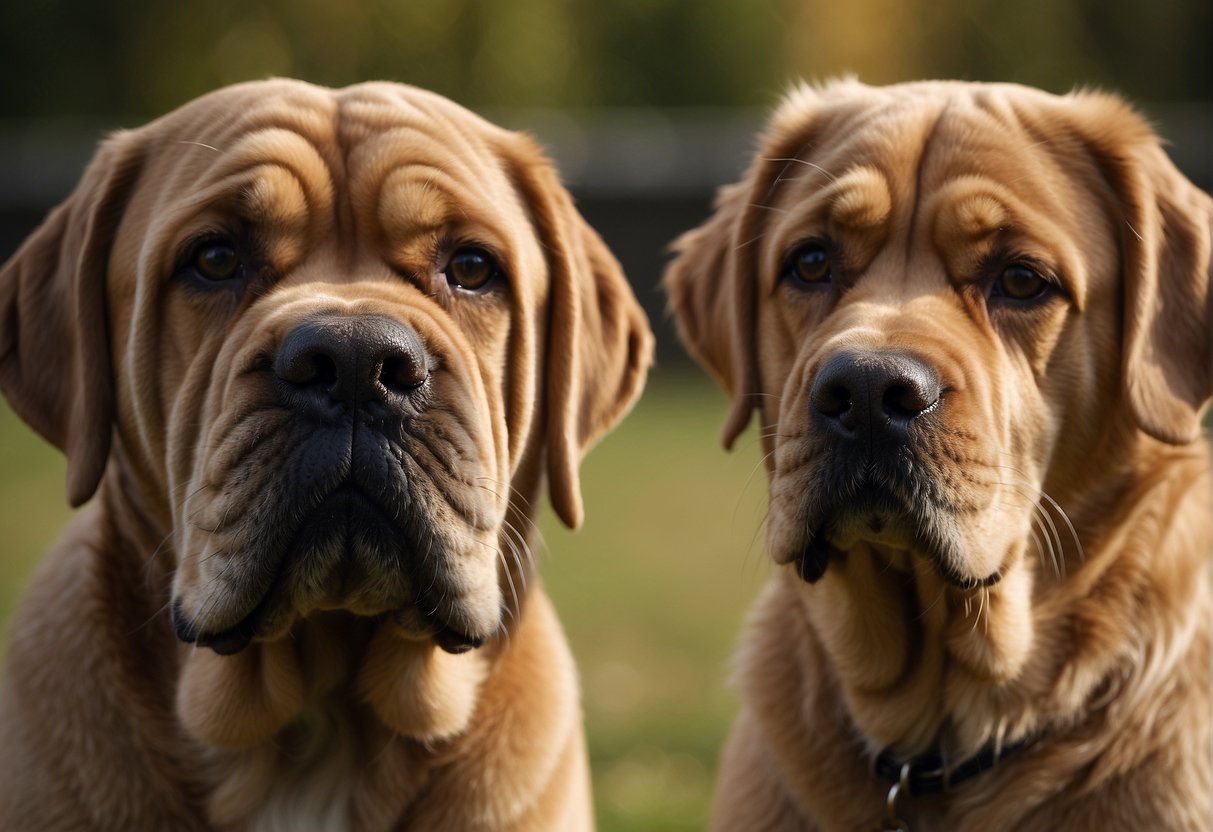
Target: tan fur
{"x":1064,"y":454}
{"x":342,"y":713}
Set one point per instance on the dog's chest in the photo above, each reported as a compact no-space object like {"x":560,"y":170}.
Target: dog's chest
{"x":309,"y":783}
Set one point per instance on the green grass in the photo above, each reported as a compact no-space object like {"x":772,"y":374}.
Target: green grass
{"x":652,"y":590}
{"x":33,"y":504}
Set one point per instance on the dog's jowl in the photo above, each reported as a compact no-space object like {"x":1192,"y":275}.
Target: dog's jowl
{"x":311,"y":354}
{"x":974,"y":324}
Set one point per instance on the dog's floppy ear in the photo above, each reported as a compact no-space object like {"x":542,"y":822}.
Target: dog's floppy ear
{"x":712,"y":281}
{"x":54,"y":350}
{"x":709,"y":285}
{"x":599,"y":344}
{"x":1166,"y":224}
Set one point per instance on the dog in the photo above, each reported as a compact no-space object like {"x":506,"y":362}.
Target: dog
{"x":974,"y":321}
{"x":311,"y":353}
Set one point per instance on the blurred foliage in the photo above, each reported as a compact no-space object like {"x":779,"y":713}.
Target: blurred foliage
{"x":142,"y":57}
{"x":1149,"y":51}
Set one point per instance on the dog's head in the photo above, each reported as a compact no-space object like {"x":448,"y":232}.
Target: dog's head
{"x":325,"y":340}
{"x":947,"y":300}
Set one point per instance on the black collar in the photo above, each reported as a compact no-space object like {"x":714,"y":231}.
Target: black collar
{"x":929,"y":774}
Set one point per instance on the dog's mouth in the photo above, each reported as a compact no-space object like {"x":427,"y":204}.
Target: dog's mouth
{"x":890,"y":522}
{"x":235,"y":639}
{"x":348,"y":553}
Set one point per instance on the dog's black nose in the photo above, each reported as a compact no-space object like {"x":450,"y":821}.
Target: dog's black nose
{"x":350,"y":361}
{"x":872,"y":395}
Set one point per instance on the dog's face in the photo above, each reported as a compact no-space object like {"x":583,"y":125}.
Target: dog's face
{"x":921,"y":334}
{"x":342,"y":329}
{"x":943,"y":298}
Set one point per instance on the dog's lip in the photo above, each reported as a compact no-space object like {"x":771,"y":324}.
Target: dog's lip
{"x":270,"y":618}
{"x":826,"y":542}
{"x":235,"y":639}
{"x":230,"y":642}
{"x":224,"y":642}
{"x":455,"y":642}
{"x":963,"y":582}
{"x":811,"y":563}
{"x":870,"y":515}
{"x":422,"y":625}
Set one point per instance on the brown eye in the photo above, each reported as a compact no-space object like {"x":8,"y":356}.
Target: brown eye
{"x":217,"y":261}
{"x":1019,"y":282}
{"x":471,"y":269}
{"x":809,"y":265}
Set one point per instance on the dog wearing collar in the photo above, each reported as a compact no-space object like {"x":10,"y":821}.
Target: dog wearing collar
{"x":975,"y":324}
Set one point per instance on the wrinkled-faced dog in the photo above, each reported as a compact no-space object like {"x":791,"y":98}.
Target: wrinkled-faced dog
{"x":975,"y":324}
{"x":311,"y":353}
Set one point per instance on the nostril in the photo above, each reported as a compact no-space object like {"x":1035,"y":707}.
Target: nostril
{"x":323,"y":371}
{"x":832,"y":399}
{"x":403,"y":373}
{"x":905,"y":400}
{"x":309,"y":368}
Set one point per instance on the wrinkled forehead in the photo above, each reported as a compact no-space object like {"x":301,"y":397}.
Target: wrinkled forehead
{"x":950,"y":164}
{"x":384,"y":159}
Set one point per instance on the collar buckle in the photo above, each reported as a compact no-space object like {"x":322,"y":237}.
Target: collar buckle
{"x":929,"y":774}
{"x":892,"y":821}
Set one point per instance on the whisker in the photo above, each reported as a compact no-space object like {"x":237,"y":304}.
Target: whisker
{"x":151,"y":559}
{"x":520,"y":516}
{"x":759,"y":529}
{"x":198,"y":144}
{"x":983,"y":600}
{"x":1066,"y":519}
{"x":749,"y":242}
{"x":805,"y":162}
{"x":523,"y":553}
{"x":768,"y":208}
{"x":1040,"y":554}
{"x":513,"y":610}
{"x":981,"y":607}
{"x":1059,"y":557}
{"x":1046,"y":551}
{"x":1053,"y":534}
{"x":938,"y":597}
{"x":746,"y":486}
{"x":518,"y":558}
{"x":213,"y":598}
{"x":155,"y":614}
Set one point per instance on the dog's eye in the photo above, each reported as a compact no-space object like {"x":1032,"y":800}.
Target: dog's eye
{"x":1019,"y":282}
{"x":217,"y":261}
{"x":471,"y":269}
{"x":809,"y":265}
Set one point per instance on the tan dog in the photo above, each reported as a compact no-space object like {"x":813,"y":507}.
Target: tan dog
{"x":975,"y":322}
{"x":314,"y":350}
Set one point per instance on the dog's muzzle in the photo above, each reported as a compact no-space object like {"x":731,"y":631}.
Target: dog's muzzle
{"x":346,"y":525}
{"x":867,"y":405}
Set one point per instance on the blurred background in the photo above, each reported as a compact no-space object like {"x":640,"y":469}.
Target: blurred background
{"x":647,"y":105}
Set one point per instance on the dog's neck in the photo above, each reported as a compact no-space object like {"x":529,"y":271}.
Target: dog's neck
{"x":921,"y":666}
{"x":307,"y":774}
{"x":300,"y":731}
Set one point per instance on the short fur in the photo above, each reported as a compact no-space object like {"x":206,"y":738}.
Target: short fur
{"x":327,"y":703}
{"x":1068,"y":601}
